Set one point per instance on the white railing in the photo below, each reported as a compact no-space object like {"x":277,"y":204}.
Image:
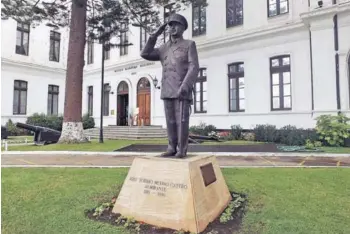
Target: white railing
{"x":7,"y":143}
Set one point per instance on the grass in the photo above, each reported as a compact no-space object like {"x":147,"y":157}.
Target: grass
{"x":107,"y":146}
{"x":110,"y":145}
{"x":296,"y":201}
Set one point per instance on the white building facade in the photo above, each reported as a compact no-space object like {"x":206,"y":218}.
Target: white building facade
{"x":275,"y":62}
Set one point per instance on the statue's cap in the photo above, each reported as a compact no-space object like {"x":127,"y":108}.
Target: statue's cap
{"x":178,"y":18}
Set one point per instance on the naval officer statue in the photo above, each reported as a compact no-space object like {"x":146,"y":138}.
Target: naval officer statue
{"x":179,"y":60}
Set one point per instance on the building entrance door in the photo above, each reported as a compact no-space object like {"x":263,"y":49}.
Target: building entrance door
{"x":122,"y":104}
{"x":144,"y":102}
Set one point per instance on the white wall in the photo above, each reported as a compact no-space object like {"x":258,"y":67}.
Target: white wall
{"x":39,"y":45}
{"x":37,"y":92}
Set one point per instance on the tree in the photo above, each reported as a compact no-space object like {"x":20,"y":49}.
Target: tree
{"x":100,"y":20}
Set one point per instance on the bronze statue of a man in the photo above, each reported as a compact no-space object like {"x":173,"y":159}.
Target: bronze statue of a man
{"x":179,"y":60}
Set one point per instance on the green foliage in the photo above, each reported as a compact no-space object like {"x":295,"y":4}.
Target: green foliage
{"x":55,"y":122}
{"x":235,"y":204}
{"x":333,"y":129}
{"x":104,"y":18}
{"x":12,"y":130}
{"x":103,"y":207}
{"x":129,"y":223}
{"x":48,"y":121}
{"x":312,"y":145}
{"x":202,"y":129}
{"x":265,"y":133}
{"x":236,"y":132}
{"x":248,"y":136}
{"x":88,"y":122}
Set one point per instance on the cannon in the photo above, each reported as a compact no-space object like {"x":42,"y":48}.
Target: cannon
{"x":42,"y":135}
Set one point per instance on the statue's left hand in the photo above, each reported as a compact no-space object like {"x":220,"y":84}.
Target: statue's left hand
{"x":181,"y":92}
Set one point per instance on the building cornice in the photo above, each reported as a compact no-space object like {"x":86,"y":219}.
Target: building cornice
{"x":247,"y":36}
{"x":203,"y":46}
{"x":323,"y":12}
{"x":17,"y":63}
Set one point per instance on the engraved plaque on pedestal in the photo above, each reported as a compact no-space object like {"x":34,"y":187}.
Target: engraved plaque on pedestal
{"x":181,"y":194}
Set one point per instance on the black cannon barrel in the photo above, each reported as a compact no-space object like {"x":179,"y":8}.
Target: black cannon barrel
{"x":29,"y":127}
{"x":35,"y":128}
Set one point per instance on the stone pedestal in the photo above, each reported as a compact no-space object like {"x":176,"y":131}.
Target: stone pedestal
{"x":181,"y":194}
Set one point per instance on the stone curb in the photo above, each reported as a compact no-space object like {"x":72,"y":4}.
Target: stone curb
{"x":221,"y":154}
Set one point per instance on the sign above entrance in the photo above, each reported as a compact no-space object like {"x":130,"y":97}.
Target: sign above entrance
{"x":134,"y":67}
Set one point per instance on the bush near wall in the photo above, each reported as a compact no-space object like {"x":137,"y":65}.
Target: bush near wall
{"x":330,"y":130}
{"x":334,"y":130}
{"x":287,"y":135}
{"x":12,"y":130}
{"x":55,"y":122}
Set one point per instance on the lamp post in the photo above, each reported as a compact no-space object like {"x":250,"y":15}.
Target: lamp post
{"x":105,"y":46}
{"x":154,"y":81}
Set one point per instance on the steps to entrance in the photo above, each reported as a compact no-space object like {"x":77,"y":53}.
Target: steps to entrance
{"x":127,"y":132}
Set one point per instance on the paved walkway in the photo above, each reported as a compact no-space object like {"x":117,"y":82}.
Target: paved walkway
{"x":113,"y":159}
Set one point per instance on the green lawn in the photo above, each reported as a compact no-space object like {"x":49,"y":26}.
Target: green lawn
{"x":110,"y":145}
{"x":295,"y":201}
{"x":107,"y":146}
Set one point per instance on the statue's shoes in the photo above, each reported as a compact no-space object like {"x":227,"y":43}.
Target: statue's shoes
{"x":180,"y":155}
{"x":168,"y":154}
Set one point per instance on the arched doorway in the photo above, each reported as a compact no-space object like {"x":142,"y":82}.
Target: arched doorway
{"x":144,"y":101}
{"x":122,"y":104}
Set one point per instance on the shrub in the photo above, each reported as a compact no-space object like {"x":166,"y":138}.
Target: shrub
{"x":236,"y":132}
{"x":48,"y":121}
{"x":88,"y":122}
{"x":202,"y":129}
{"x":333,"y":129}
{"x":55,"y":122}
{"x":248,"y":136}
{"x":12,"y":130}
{"x":291,"y":135}
{"x":265,"y":133}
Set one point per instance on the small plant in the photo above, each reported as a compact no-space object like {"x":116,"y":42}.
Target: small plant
{"x":88,"y":122}
{"x":202,"y":129}
{"x":237,"y":202}
{"x":248,"y":136}
{"x":265,"y":133}
{"x":129,"y":223}
{"x":100,"y":209}
{"x":333,"y":129}
{"x":236,"y":132}
{"x":312,"y":145}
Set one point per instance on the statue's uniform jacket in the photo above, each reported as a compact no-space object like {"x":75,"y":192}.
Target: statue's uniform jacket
{"x":179,"y":60}
{"x":180,"y":65}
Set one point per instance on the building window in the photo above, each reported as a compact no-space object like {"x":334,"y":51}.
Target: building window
{"x":168,"y":11}
{"x":20,"y":97}
{"x":124,"y":39}
{"x":236,"y":87}
{"x":55,"y":41}
{"x":277,"y":7}
{"x":281,"y":98}
{"x":234,"y":12}
{"x":198,"y":18}
{"x":106,"y":100}
{"x":200,"y":92}
{"x":52,"y":100}
{"x":143,"y":33}
{"x":22,"y":39}
{"x":90,"y":100}
{"x":90,"y":47}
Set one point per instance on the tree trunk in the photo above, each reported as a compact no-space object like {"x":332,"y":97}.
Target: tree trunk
{"x":72,"y":128}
